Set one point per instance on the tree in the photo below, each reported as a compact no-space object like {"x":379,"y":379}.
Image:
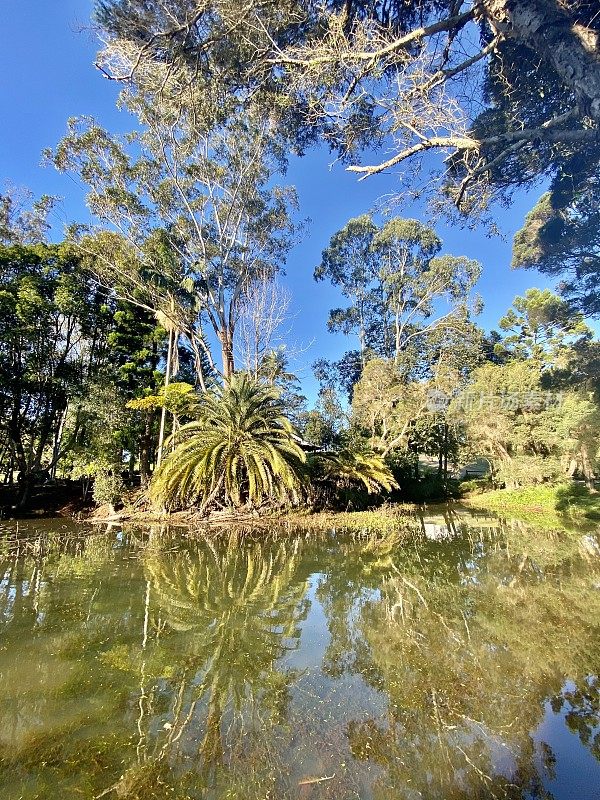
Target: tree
{"x":137,"y":345}
{"x":53,"y":344}
{"x":507,"y":91}
{"x":352,"y":467}
{"x":394,"y":277}
{"x":316,"y":429}
{"x":23,"y":219}
{"x":340,"y":376}
{"x":403,"y":295}
{"x":264,"y":309}
{"x":416,"y":279}
{"x":350,"y":263}
{"x":579,"y":424}
{"x":510,"y":419}
{"x":560,"y":238}
{"x":240,"y":450}
{"x":542,"y":326}
{"x":193,"y":199}
{"x":387,"y":406}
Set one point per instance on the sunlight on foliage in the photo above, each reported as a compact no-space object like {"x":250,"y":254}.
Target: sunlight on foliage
{"x":240,"y":450}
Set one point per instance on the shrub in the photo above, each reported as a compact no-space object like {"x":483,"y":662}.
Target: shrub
{"x":475,"y":486}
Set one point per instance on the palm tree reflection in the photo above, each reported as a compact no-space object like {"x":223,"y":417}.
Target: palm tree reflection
{"x":223,"y":615}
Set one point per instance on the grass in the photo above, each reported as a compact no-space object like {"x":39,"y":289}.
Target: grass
{"x":554,"y":503}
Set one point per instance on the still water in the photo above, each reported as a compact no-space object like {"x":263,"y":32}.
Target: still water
{"x":456,"y":658}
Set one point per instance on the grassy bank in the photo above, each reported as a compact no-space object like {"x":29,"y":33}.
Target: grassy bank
{"x":137,"y":510}
{"x":534,"y":503}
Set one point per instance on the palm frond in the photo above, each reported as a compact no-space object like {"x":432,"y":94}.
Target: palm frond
{"x":241,"y":445}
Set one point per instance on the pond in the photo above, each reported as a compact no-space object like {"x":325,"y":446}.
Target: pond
{"x":455,"y":658}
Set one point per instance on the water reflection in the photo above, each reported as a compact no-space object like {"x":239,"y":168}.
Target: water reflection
{"x":456,"y":661}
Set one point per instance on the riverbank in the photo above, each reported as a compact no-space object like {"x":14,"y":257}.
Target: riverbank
{"x":54,"y":498}
{"x":388,"y":518}
{"x":541,"y":503}
{"x":547,"y":506}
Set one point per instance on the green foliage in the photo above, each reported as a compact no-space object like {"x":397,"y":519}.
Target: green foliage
{"x":240,"y":450}
{"x":541,"y":325}
{"x":368,"y":469}
{"x":108,"y":484}
{"x":178,"y":398}
{"x":505,"y":94}
{"x":316,"y":429}
{"x":52,"y":346}
{"x":474,"y":486}
{"x":560,"y":237}
{"x":428,"y":488}
{"x":346,"y":478}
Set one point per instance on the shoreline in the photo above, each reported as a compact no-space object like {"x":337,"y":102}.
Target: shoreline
{"x":545,"y":506}
{"x":393,"y":517}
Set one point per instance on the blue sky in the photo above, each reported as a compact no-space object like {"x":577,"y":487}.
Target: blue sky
{"x":47,"y":76}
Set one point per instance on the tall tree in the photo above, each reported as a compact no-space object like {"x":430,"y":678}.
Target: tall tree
{"x":193,"y":191}
{"x":403,"y":293}
{"x":351,"y":264}
{"x":507,"y":91}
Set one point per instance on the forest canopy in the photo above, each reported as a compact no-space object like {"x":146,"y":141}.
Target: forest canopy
{"x":507,"y":92}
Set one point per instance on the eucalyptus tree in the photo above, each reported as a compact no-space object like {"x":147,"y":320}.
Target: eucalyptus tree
{"x":192,"y":194}
{"x":351,"y":264}
{"x":403,"y":292}
{"x":506,"y":92}
{"x":423,"y":291}
{"x":509,"y":419}
{"x":24,"y":219}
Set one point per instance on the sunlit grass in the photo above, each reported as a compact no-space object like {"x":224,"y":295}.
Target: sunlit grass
{"x":553,"y":504}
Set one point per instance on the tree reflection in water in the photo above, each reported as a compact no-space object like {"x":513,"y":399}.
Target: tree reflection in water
{"x":467,"y":650}
{"x":153,"y":664}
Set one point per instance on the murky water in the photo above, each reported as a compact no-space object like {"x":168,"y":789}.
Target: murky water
{"x":459,"y":661}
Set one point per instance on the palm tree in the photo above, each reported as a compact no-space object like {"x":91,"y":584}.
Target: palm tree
{"x":350,"y":466}
{"x":240,"y":450}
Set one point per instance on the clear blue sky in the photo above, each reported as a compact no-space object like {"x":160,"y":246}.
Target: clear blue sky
{"x":47,"y":76}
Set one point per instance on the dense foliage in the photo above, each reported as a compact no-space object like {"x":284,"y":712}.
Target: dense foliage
{"x":147,"y":347}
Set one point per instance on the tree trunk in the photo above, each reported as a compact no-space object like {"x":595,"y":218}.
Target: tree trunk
{"x":145,"y":448}
{"x":445,"y":450}
{"x":586,"y":468}
{"x":571,"y":49}
{"x":227,"y":353}
{"x":58,"y":440}
{"x":163,"y":416}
